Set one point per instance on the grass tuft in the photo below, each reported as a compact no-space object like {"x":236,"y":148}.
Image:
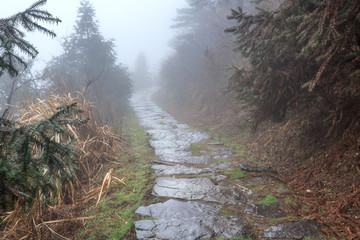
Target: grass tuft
{"x":234,"y":173}
{"x":269,"y":199}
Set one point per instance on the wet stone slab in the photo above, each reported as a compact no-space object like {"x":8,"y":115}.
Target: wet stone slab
{"x":179,"y":209}
{"x":295,"y":230}
{"x":163,"y":170}
{"x":184,"y":158}
{"x":192,"y":228}
{"x":198,"y":189}
{"x":265,"y":210}
{"x":188,"y":220}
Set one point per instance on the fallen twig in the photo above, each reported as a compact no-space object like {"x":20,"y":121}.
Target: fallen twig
{"x":66,"y":220}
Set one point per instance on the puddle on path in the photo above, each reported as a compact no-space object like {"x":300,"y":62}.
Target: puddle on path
{"x":196,"y":202}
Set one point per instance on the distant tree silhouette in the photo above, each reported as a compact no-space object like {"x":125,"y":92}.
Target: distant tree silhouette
{"x":88,"y":65}
{"x":141,"y":75}
{"x":201,"y":49}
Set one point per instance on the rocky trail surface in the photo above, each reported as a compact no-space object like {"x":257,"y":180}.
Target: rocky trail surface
{"x":212,"y":194}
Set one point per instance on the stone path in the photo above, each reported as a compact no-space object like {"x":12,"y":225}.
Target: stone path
{"x":195,"y":189}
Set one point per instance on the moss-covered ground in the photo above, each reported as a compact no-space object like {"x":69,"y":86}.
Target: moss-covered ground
{"x":114,"y":215}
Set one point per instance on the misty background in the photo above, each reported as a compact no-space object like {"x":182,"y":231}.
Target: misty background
{"x":135,"y":25}
{"x":278,"y":79}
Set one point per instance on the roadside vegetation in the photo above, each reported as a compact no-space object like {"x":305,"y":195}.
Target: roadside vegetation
{"x":60,"y":130}
{"x":114,"y":216}
{"x":269,"y":199}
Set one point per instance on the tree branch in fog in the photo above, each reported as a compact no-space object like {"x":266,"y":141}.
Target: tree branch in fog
{"x":12,"y":38}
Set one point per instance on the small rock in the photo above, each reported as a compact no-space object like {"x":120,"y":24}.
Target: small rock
{"x":265,"y":210}
{"x":297,"y":230}
{"x":215,"y":144}
{"x":219,"y":178}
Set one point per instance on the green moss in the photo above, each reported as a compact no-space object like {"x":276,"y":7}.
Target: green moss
{"x":198,"y":148}
{"x":225,"y":212}
{"x":114,"y":216}
{"x":268,"y":199}
{"x":276,"y":220}
{"x":234,"y":173}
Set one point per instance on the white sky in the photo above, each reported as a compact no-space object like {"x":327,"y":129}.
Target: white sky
{"x":136,"y":25}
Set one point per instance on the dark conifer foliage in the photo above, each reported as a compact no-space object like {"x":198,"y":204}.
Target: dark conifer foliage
{"x":302,"y":51}
{"x":12,"y":37}
{"x":33,"y":165}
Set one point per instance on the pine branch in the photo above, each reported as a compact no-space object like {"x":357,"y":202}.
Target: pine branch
{"x":32,"y":162}
{"x":11,"y":38}
{"x":37,"y":4}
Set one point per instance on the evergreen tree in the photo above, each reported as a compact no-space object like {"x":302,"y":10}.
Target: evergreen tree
{"x":308,"y":45}
{"x":32,"y":163}
{"x":141,"y":76}
{"x":88,"y":65}
{"x":12,"y":38}
{"x":86,"y":25}
{"x":200,"y":47}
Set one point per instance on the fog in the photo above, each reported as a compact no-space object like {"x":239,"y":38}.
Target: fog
{"x":135,"y":25}
{"x":275,"y":85}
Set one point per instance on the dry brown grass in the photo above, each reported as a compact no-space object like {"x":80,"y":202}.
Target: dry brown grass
{"x":100,"y":146}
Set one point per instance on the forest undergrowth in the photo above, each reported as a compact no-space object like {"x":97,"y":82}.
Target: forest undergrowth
{"x":62,"y":191}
